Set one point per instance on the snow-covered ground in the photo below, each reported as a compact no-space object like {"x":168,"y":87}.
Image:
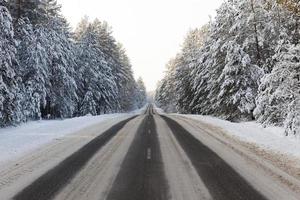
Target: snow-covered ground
{"x":271,"y":138}
{"x":16,"y":141}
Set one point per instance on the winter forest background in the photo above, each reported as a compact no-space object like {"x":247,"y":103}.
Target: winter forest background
{"x":243,"y":65}
{"x":48,"y":71}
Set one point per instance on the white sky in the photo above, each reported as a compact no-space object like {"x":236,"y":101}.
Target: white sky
{"x":150,"y":30}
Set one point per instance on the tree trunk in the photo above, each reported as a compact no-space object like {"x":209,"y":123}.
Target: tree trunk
{"x":258,"y":54}
{"x":19,"y":2}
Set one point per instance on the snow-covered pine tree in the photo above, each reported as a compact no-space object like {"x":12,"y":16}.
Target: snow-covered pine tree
{"x":61,"y":94}
{"x":33,"y":68}
{"x":126,"y":82}
{"x":200,"y":77}
{"x":241,"y":44}
{"x":141,"y":96}
{"x":211,"y":62}
{"x":165,"y":95}
{"x":292,"y":123}
{"x":10,"y":111}
{"x":238,"y":84}
{"x":279,"y":93}
{"x":47,"y":59}
{"x":247,"y":28}
{"x":109,"y":47}
{"x":226,"y":79}
{"x":236,"y":87}
{"x":162,"y":95}
{"x":42,"y":77}
{"x":81,"y":28}
{"x":86,"y":67}
{"x":290,"y":17}
{"x":37,"y":11}
{"x":119,"y":64}
{"x":88,"y":104}
{"x":95,"y":73}
{"x":185,"y":63}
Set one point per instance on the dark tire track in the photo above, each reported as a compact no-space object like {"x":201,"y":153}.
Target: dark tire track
{"x":222,"y":181}
{"x":46,"y":186}
{"x":142,"y":176}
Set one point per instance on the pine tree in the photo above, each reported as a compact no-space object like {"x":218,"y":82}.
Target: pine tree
{"x":37,"y":11}
{"x":9,"y":108}
{"x":33,"y":68}
{"x":88,"y":104}
{"x":46,"y":72}
{"x":222,"y":77}
{"x":227,"y":75}
{"x":238,"y":85}
{"x":81,"y":28}
{"x":292,"y":123}
{"x":61,"y":93}
{"x":211,"y":62}
{"x":141,"y":93}
{"x":185,"y":63}
{"x":278,"y":99}
{"x":290,"y":13}
{"x":95,"y":72}
{"x":165,"y":95}
{"x":127,"y":85}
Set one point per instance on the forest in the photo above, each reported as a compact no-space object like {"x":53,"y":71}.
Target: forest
{"x":48,"y":71}
{"x":243,"y":65}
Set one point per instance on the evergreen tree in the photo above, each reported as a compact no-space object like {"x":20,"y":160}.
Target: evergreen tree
{"x":33,"y":68}
{"x":165,"y":95}
{"x":81,"y":28}
{"x":278,"y":98}
{"x":88,"y":104}
{"x":185,"y":63}
{"x":141,"y":96}
{"x":292,"y":123}
{"x":127,"y":85}
{"x":9,"y":108}
{"x":46,"y":72}
{"x":96,"y":75}
{"x":61,"y":94}
{"x":222,"y":77}
{"x":37,"y":11}
{"x":238,"y":85}
{"x":211,"y":62}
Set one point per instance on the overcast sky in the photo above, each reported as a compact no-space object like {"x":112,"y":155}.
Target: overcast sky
{"x":150,"y":30}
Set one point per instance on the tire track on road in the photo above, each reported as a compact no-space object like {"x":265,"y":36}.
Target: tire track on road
{"x":222,"y":181}
{"x":47,"y":186}
{"x":142,"y":174}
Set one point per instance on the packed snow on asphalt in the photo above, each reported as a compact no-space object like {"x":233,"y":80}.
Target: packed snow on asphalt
{"x":19,"y":140}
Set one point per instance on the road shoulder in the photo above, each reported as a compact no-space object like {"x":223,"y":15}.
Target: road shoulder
{"x":17,"y":174}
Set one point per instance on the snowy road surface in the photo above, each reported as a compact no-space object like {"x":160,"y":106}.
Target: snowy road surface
{"x":149,"y":156}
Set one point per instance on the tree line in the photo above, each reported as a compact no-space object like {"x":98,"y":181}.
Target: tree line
{"x":243,"y":65}
{"x":49,"y":71}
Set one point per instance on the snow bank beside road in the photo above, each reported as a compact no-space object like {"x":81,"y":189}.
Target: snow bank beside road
{"x":271,"y":138}
{"x":15,"y":141}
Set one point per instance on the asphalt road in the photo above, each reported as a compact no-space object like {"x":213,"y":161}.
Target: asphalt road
{"x":46,"y":186}
{"x":143,"y":173}
{"x":220,"y":179}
